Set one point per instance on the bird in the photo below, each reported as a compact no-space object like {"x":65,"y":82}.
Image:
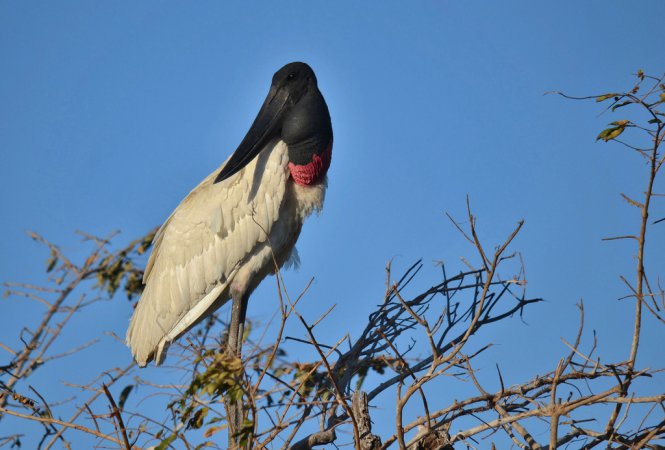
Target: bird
{"x":241,"y":222}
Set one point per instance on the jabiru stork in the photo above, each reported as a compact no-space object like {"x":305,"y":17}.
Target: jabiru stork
{"x":220,"y":241}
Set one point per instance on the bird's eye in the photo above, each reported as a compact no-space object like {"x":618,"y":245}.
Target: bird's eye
{"x":291,"y":76}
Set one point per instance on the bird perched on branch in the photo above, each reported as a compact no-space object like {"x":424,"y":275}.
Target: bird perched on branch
{"x":226,"y":235}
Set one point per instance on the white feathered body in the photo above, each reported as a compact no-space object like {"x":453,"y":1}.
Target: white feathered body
{"x":221,"y":238}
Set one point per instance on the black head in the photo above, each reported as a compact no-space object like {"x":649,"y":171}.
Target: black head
{"x":292,"y":110}
{"x":296,"y":77}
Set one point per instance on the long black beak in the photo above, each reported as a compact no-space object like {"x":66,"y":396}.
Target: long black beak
{"x":265,"y":127}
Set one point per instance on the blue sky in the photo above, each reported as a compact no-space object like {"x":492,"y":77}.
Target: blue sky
{"x":110,"y":112}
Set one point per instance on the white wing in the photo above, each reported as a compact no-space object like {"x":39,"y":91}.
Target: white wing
{"x":200,"y":247}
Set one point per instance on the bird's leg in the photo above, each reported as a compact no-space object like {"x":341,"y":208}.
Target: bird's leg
{"x":237,"y":325}
{"x":236,"y":409}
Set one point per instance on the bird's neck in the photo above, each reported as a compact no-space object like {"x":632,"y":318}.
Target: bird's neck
{"x":315,"y":169}
{"x":307,"y":132}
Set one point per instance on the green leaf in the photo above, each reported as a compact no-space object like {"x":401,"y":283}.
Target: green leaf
{"x":123,"y":396}
{"x":212,"y":430}
{"x":246,"y":430}
{"x":620,"y":123}
{"x":52,"y":261}
{"x":196,"y":422}
{"x":166,"y":442}
{"x":604,"y":97}
{"x":610,"y":133}
{"x":621,"y":105}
